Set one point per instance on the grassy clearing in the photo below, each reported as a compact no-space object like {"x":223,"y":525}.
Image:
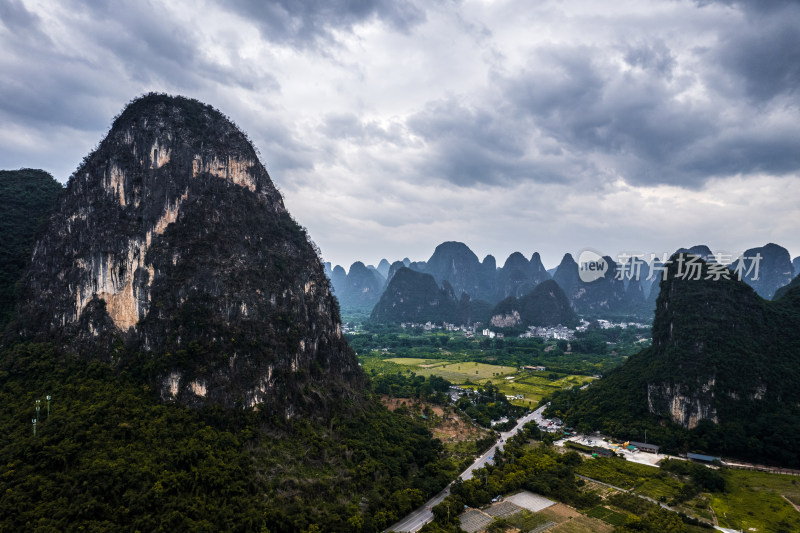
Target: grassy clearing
{"x":754,"y":500}
{"x":642,"y":479}
{"x":535,"y":387}
{"x":456,"y":372}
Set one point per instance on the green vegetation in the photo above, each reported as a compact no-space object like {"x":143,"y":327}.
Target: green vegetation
{"x":27,"y":197}
{"x":607,"y":515}
{"x":739,"y":499}
{"x":536,"y":468}
{"x":755,"y":499}
{"x":533,"y":386}
{"x":110,"y":455}
{"x":413,"y":296}
{"x":487,"y":404}
{"x":456,"y":372}
{"x":433,"y":389}
{"x":541,"y":469}
{"x":472,"y":362}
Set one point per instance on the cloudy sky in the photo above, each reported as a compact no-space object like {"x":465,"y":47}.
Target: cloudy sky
{"x":393,"y":125}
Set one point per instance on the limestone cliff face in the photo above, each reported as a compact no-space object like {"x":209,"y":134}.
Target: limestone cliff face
{"x":171,"y":240}
{"x":685,"y":407}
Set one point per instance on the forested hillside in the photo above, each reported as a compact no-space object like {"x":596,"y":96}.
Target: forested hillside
{"x":108,"y":455}
{"x":722,"y":375}
{"x":27,"y":197}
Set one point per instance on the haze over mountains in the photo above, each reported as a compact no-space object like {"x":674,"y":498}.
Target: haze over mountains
{"x":625,"y":289}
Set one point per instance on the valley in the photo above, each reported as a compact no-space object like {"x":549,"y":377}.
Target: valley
{"x":369,"y":266}
{"x":510,"y":381}
{"x":413,"y":385}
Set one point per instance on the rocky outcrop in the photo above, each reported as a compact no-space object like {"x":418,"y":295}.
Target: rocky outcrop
{"x":508,"y":320}
{"x":456,"y":263}
{"x":723,"y":362}
{"x":706,"y":333}
{"x":700,"y":250}
{"x":783,"y":291}
{"x":686,"y":408}
{"x":766,"y":269}
{"x":172,"y":243}
{"x":383,"y":268}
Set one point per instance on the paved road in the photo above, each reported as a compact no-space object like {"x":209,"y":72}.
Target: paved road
{"x":423,"y":515}
{"x":488,"y":455}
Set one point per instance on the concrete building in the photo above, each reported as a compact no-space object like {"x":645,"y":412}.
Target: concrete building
{"x":649,"y":448}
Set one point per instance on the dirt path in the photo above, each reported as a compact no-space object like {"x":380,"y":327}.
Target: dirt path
{"x":796,"y":508}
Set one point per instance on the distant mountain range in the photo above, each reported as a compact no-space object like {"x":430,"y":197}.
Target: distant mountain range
{"x":625,"y":290}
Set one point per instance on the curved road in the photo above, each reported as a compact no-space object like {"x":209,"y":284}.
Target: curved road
{"x":416,"y":519}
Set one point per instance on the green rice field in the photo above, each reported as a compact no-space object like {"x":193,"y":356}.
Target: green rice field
{"x":509,"y":380}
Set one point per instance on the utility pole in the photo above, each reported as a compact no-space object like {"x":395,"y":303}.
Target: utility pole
{"x":48,"y":406}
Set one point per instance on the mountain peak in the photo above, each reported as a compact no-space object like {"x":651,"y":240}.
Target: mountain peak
{"x":172,"y":239}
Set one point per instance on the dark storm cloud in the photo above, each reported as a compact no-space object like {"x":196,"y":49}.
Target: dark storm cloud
{"x":651,"y":56}
{"x":19,"y":21}
{"x":636,"y":118}
{"x":468,"y":145}
{"x":763,"y":56}
{"x":639,"y":116}
{"x":128,"y":46}
{"x":548,"y":122}
{"x":591,"y":107}
{"x":312,"y":22}
{"x":772,"y":152}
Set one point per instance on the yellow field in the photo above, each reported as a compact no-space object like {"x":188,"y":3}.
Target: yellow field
{"x":454,"y":372}
{"x":412,"y":361}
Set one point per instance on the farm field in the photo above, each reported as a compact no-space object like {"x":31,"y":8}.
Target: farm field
{"x":509,"y":380}
{"x":570,"y":520}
